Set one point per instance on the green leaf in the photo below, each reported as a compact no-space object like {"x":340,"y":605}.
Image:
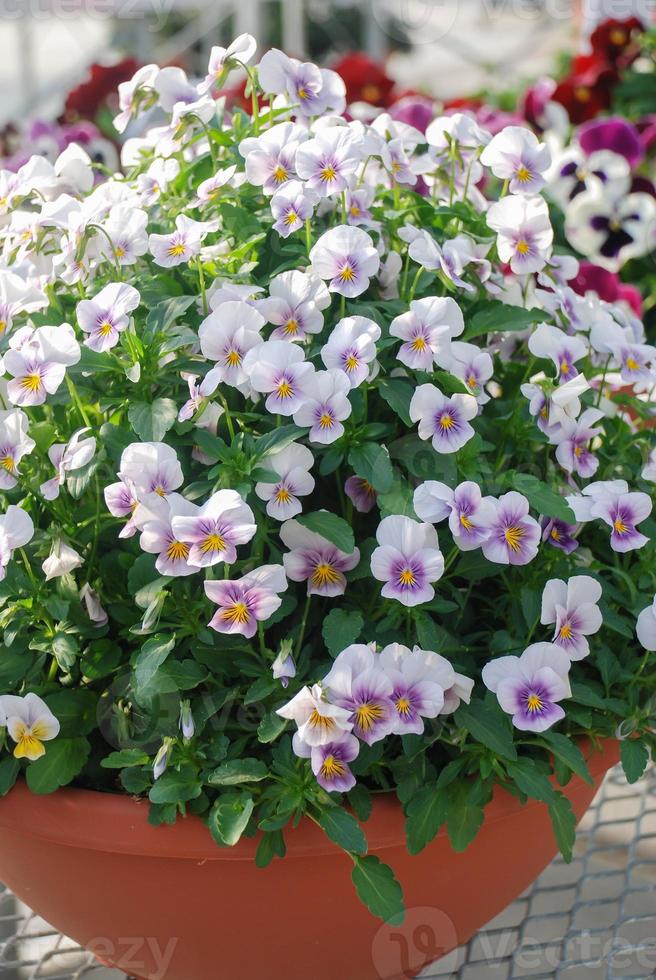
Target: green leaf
{"x":164,"y":314}
{"x":488,"y":725}
{"x":545,"y":500}
{"x":398,"y":395}
{"x":64,"y":759}
{"x":277,"y":439}
{"x":343,"y":829}
{"x":635,"y":756}
{"x":426,"y":813}
{"x":372,"y":463}
{"x":272,"y":845}
{"x":9,"y":770}
{"x":151,"y":657}
{"x":152,"y":421}
{"x":531,"y":780}
{"x":360,"y":800}
{"x":126,"y":757}
{"x":565,"y":749}
{"x":176,"y":786}
{"x":237,"y":771}
{"x":563,"y":821}
{"x":449,"y":384}
{"x":464,"y":814}
{"x":340,"y":629}
{"x":378,"y":889}
{"x":65,"y":648}
{"x":229,"y":817}
{"x":271,"y":726}
{"x":331,"y":527}
{"x":260,"y":689}
{"x":75,"y":709}
{"x":498,"y":316}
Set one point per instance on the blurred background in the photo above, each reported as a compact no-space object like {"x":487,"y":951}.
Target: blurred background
{"x":58,"y":56}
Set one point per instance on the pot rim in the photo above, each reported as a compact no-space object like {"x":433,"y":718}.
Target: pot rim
{"x":117,"y":823}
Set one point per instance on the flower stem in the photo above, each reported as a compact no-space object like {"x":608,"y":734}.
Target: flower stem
{"x":301,"y":635}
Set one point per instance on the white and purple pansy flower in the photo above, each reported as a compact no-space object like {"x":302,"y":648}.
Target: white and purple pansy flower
{"x":551,"y":342}
{"x":419,"y":680}
{"x":426,"y":329}
{"x":408,"y":560}
{"x":279,"y":369}
{"x":470,"y":514}
{"x":14,"y":444}
{"x":105,"y":316}
{"x":347,"y":257}
{"x":361,"y":493}
{"x":226,"y":336}
{"x":291,"y":207}
{"x":515,"y":155}
{"x":245,"y":602}
{"x":524,"y":232}
{"x":67,"y":457}
{"x":468,"y":362}
{"x":559,"y":534}
{"x":223,"y":522}
{"x":313,"y":559}
{"x":150,"y":467}
{"x":514,"y":535}
{"x":612,"y":502}
{"x":328,"y":162}
{"x":572,"y":607}
{"x":357,"y":682}
{"x":270,"y":158}
{"x":292,"y":466}
{"x":531,"y":686}
{"x":573,"y":443}
{"x":16,"y":530}
{"x":442,"y":419}
{"x":294,"y":305}
{"x":613,"y":225}
{"x":330,"y":762}
{"x":325,"y":406}
{"x":154,"y":519}
{"x":351,"y":347}
{"x":318,"y":721}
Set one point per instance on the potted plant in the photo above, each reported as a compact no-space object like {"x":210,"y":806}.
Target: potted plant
{"x":319,"y":536}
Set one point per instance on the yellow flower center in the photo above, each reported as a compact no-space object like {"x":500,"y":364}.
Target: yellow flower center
{"x":105,"y":329}
{"x":555,"y":534}
{"x":7,"y":463}
{"x":213,"y":542}
{"x":618,"y":37}
{"x":582,"y":93}
{"x":332,"y":767}
{"x":534,"y":703}
{"x":347,"y":274}
{"x":291,"y":217}
{"x":31,"y":382}
{"x":351,"y":363}
{"x":566,"y":632}
{"x":326,"y":421}
{"x":176,"y":250}
{"x":324,"y":574}
{"x":367,"y":714}
{"x":303,"y":94}
{"x":284,"y":389}
{"x":407,"y":577}
{"x":177,"y":551}
{"x":620,"y":526}
{"x":291,"y":327}
{"x":120,"y":251}
{"x":403,"y":706}
{"x":523,"y":247}
{"x":279,"y":174}
{"x":233,"y":358}
{"x":513,"y":536}
{"x":317,"y":720}
{"x":419,"y":343}
{"x":328,"y":173}
{"x":632,"y":364}
{"x":466,"y":523}
{"x":3,"y":326}
{"x":237,"y":613}
{"x":283,"y":496}
{"x":160,"y":491}
{"x":355,"y":211}
{"x":523,"y":174}
{"x":446,"y":422}
{"x":564,"y":367}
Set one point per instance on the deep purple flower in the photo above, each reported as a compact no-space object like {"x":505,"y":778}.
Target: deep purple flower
{"x":559,"y":534}
{"x":361,"y":493}
{"x":612,"y":133}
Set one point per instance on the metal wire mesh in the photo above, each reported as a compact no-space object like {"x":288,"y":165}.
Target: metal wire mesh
{"x":592,"y":919}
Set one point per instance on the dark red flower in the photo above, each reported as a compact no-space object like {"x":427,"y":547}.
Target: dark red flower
{"x":587,"y":89}
{"x":616,"y":41}
{"x":365,"y":79}
{"x":86,"y":100}
{"x":415,"y":110}
{"x":607,"y":285}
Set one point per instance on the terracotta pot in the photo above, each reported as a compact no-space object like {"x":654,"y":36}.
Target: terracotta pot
{"x":164,"y":903}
